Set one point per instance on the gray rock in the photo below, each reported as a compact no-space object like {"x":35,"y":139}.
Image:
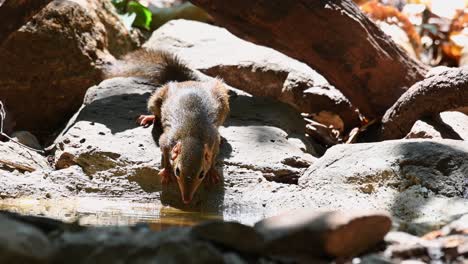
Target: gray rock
{"x":258,"y":70}
{"x":416,"y":179}
{"x":22,"y":243}
{"x":323,"y":233}
{"x":127,"y":245}
{"x":457,"y":121}
{"x":121,"y":160}
{"x":14,"y":156}
{"x":452,"y":125}
{"x":110,"y":168}
{"x":422,"y":129}
{"x":231,"y":235}
{"x":402,"y":238}
{"x":27,"y":138}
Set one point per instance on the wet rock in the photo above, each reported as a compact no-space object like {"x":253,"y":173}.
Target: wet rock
{"x":22,"y":243}
{"x":415,"y":179}
{"x":231,"y":235}
{"x":72,"y":41}
{"x":15,"y":157}
{"x":329,"y":233}
{"x":257,"y":70}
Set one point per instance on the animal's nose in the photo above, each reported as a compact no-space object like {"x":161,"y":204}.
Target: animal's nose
{"x":186,"y":198}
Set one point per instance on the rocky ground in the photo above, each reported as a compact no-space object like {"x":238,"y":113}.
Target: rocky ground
{"x":302,"y":236}
{"x":101,"y":169}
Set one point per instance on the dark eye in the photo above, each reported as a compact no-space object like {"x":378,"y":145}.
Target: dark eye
{"x":177,"y":172}
{"x":201,"y":175}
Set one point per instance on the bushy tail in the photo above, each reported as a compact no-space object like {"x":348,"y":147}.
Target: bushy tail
{"x":157,"y":66}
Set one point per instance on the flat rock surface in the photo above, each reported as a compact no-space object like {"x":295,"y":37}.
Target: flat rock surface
{"x":108,"y":169}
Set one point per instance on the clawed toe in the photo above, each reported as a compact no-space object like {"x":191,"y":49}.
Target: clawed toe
{"x":145,"y":120}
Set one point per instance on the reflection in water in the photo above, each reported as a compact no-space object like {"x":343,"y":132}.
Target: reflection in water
{"x":101,"y":211}
{"x":170,"y":217}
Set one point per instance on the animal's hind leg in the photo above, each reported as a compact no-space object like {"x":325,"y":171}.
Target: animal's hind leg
{"x":154,"y":106}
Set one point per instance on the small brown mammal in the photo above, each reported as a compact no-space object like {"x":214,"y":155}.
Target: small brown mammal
{"x":190,"y":112}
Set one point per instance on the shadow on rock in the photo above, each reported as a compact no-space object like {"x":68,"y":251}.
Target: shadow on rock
{"x":118,"y":112}
{"x":269,"y":121}
{"x":433,"y":177}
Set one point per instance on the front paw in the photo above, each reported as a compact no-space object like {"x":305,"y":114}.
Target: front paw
{"x":213,"y":176}
{"x":145,"y":120}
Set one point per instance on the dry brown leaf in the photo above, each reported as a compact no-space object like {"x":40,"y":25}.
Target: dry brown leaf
{"x":378,"y":11}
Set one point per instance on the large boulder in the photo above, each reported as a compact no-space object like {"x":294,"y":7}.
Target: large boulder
{"x":48,"y":63}
{"x":105,"y":163}
{"x":263,"y":144}
{"x":450,"y":124}
{"x":258,"y":70}
{"x":417,"y":180}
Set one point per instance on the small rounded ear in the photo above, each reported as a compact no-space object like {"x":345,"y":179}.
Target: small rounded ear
{"x":176,"y":150}
{"x":207,"y":153}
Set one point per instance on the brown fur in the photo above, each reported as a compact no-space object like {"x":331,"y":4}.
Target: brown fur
{"x":158,"y":66}
{"x":190,"y":112}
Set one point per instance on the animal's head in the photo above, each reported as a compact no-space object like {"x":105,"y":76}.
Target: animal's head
{"x":191,"y":161}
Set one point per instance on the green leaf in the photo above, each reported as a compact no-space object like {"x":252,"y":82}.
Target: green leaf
{"x":143,"y":15}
